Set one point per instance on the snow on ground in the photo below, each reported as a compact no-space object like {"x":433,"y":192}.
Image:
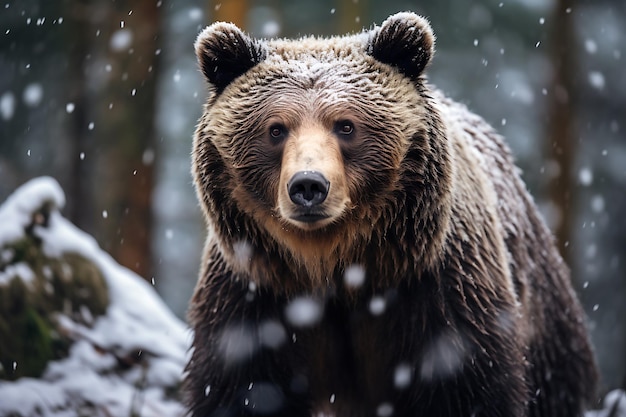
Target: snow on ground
{"x":137,"y":331}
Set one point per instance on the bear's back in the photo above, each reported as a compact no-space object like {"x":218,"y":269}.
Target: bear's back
{"x":540,"y":277}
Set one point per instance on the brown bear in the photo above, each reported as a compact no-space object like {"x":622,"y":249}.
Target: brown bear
{"x":372,"y":250}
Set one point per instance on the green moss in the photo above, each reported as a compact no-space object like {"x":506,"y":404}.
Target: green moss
{"x":30,"y":305}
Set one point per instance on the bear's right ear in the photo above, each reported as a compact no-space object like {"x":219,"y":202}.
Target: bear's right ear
{"x":225,"y":52}
{"x":404,"y":41}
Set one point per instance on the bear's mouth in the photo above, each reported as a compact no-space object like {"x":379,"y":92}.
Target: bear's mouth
{"x":308,"y":216}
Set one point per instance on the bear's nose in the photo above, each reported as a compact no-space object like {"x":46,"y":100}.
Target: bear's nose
{"x":308,"y":188}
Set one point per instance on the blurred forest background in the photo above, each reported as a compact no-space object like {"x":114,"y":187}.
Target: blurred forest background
{"x":104,"y":96}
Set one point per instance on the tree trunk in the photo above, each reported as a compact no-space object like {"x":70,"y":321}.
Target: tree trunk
{"x":125,"y":129}
{"x":80,"y":205}
{"x":113,"y":64}
{"x":233,"y":11}
{"x":352,"y":15}
{"x":561,"y":128}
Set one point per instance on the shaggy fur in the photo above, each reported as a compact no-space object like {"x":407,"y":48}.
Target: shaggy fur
{"x":461,"y":305}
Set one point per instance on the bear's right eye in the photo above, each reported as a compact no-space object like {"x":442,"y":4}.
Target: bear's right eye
{"x":278,"y":131}
{"x":344,"y":128}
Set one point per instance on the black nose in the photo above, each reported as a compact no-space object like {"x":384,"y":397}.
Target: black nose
{"x":308,"y":188}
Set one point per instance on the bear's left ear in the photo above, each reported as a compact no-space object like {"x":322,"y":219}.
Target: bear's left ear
{"x":404,"y":41}
{"x":225,"y":52}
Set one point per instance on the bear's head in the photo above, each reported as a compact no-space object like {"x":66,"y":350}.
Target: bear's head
{"x":312,"y":148}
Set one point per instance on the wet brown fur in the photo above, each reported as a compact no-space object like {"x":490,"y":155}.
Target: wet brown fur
{"x":424,"y":196}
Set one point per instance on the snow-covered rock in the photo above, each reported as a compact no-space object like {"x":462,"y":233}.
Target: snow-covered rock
{"x":98,"y":339}
{"x":614,"y":405}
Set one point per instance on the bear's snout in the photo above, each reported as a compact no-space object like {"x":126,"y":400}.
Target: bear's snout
{"x":308,"y":188}
{"x":312,"y":190}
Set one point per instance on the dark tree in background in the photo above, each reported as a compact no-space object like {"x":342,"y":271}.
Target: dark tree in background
{"x":561,"y":132}
{"x":88,"y":73}
{"x":233,"y":11}
{"x":352,"y":16}
{"x":32,"y":81}
{"x":80,"y":205}
{"x":126,"y":135}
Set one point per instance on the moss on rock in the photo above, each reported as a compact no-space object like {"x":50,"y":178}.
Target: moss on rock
{"x":35,"y":290}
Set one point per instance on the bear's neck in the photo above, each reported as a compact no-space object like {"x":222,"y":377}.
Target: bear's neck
{"x":317,"y":262}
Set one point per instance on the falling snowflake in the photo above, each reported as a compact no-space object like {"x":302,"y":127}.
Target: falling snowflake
{"x":384,"y":410}
{"x":272,"y":334}
{"x":33,"y":94}
{"x":377,"y":305}
{"x":443,"y":357}
{"x":121,"y":40}
{"x":596,"y":80}
{"x":402,"y":376}
{"x":7,"y":105}
{"x":304,"y":312}
{"x":585,"y":176}
{"x":237,"y":344}
{"x":271,"y":29}
{"x":354,"y":276}
{"x":590,"y":46}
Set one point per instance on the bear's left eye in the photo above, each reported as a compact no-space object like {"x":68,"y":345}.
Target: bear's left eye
{"x":277,"y":131}
{"x":344,"y":128}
